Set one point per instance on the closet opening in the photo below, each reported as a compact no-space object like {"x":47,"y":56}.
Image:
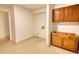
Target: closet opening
{"x":4,"y":27}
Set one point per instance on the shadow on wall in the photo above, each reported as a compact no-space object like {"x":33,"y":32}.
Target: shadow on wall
{"x":6,"y":24}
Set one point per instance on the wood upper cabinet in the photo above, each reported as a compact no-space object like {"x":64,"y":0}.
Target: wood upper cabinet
{"x":71,"y":14}
{"x":66,"y":14}
{"x":58,"y":15}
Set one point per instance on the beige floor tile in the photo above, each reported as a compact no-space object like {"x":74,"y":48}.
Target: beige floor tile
{"x":30,"y":46}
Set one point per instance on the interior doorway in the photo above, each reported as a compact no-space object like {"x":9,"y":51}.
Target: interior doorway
{"x":4,"y":27}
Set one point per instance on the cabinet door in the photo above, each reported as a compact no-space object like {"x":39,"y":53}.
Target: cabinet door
{"x":57,"y":15}
{"x":69,"y":44}
{"x":78,"y":11}
{"x":57,"y":41}
{"x":71,"y":14}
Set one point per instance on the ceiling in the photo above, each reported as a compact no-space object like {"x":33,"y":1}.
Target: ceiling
{"x":32,"y":6}
{"x":62,"y":5}
{"x":28,"y":6}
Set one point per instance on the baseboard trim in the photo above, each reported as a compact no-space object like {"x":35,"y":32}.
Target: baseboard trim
{"x":24,"y":39}
{"x":8,"y":37}
{"x":39,"y":37}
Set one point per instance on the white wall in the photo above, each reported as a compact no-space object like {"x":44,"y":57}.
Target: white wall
{"x":4,"y":24}
{"x":24,"y":23}
{"x":69,"y":28}
{"x":40,"y":20}
{"x":40,"y":10}
{"x":51,"y":25}
{"x":12,"y":24}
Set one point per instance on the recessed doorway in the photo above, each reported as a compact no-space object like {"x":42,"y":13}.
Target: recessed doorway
{"x":4,"y":27}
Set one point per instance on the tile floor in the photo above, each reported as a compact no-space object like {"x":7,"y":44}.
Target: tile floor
{"x":30,"y":46}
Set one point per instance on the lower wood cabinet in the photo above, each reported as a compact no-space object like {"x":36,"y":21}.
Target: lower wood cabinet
{"x":57,"y":41}
{"x":69,"y":44}
{"x":65,"y":40}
